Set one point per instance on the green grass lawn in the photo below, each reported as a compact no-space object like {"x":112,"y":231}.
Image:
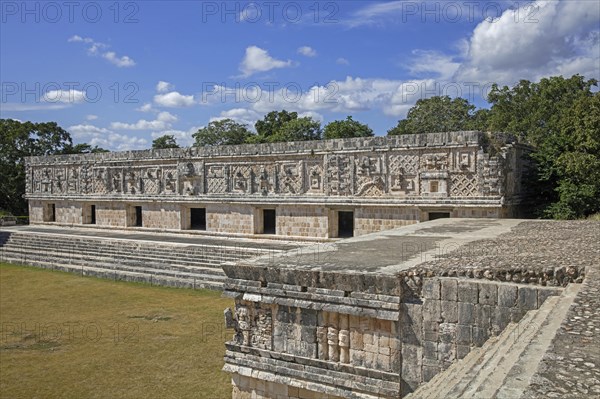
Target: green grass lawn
{"x":64,"y":336}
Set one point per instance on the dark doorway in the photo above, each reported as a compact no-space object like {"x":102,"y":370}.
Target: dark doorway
{"x":52,"y":211}
{"x":438,"y":215}
{"x":138,"y":216}
{"x":198,"y":218}
{"x":93,"y":214}
{"x":345,"y":224}
{"x":269,"y":221}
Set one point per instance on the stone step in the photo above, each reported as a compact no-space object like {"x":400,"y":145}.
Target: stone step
{"x":121,"y":255}
{"x":527,"y":327}
{"x":502,"y":367}
{"x":115,"y":246}
{"x":516,"y":379}
{"x":120,"y":275}
{"x":147,"y":245}
{"x":439,"y":381}
{"x":151,"y":249}
{"x":108,"y":263}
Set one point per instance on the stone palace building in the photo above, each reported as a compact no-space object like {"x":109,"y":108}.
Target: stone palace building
{"x":321,"y":189}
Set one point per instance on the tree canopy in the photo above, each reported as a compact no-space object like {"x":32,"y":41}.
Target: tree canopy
{"x":272,"y":123}
{"x":559,"y":117}
{"x":299,"y":129}
{"x":440,"y":114}
{"x":166,"y":141}
{"x":346,"y":128}
{"x":222,"y":132}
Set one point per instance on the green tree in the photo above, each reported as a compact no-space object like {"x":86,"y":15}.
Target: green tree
{"x":271,"y":124}
{"x":441,"y":114}
{"x":542,"y":114}
{"x":300,"y":129}
{"x":576,"y":161}
{"x":533,"y":111}
{"x":347,"y":128}
{"x":222,"y":132}
{"x":17,"y":141}
{"x":166,"y":141}
{"x":83,"y":148}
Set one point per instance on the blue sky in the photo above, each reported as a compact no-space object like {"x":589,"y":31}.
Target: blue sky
{"x":118,"y":74}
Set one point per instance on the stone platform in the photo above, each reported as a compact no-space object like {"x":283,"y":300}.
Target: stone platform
{"x":380,"y":316}
{"x":178,"y":260}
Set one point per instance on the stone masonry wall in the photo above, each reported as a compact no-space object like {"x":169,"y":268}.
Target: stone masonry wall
{"x":370,"y":220}
{"x":230,"y":218}
{"x":454,"y":315}
{"x":302,"y":221}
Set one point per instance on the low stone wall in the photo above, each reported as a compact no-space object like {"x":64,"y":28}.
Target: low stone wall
{"x":379,"y":315}
{"x":360,"y":335}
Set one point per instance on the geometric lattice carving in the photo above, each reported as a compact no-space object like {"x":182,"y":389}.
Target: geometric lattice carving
{"x":216,"y":179}
{"x":339,"y":175}
{"x":290,"y":181}
{"x":100,"y":180}
{"x":406,"y":165}
{"x":463,"y":185}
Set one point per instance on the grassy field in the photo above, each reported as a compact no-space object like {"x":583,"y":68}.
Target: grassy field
{"x":65,"y":336}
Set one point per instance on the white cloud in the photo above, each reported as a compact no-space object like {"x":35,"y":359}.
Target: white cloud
{"x":91,"y":117}
{"x":259,"y":60}
{"x":86,"y":130}
{"x":96,"y":49}
{"x":354,"y":94}
{"x":162,"y":121}
{"x":174,"y":99}
{"x":183,"y":138}
{"x":307,"y":51}
{"x":106,"y":138}
{"x":145,"y":108}
{"x":64,"y":96}
{"x":342,"y":61}
{"x":77,"y":38}
{"x":123,"y":61}
{"x":164,"y":87}
{"x":433,"y":63}
{"x":240,"y":115}
{"x":546,"y":38}
{"x":371,"y":14}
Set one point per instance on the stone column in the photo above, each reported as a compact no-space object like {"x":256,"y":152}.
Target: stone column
{"x":323,"y":348}
{"x":333,"y":342}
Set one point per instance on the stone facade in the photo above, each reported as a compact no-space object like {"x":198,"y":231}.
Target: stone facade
{"x":379,"y":183}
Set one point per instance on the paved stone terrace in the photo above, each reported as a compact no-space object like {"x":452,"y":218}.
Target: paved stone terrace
{"x":520,"y":251}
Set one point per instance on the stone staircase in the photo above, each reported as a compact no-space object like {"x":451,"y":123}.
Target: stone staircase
{"x":154,"y":262}
{"x":503,"y":366}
